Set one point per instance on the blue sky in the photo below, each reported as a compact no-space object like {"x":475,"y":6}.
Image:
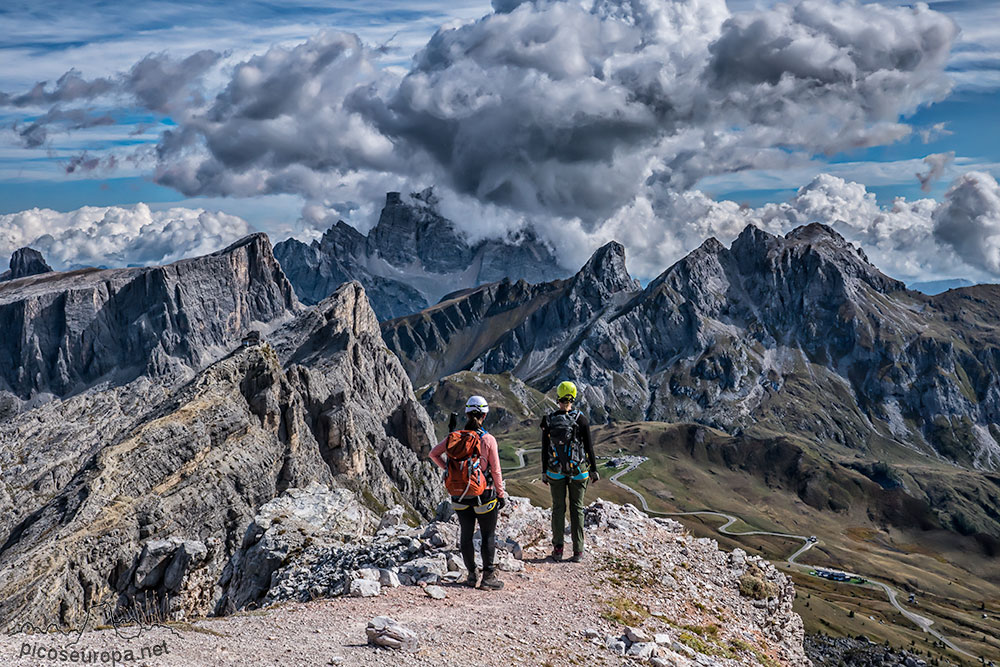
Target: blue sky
{"x":107,"y":154}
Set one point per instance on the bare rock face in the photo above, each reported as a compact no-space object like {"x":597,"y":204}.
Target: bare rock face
{"x":508,"y":326}
{"x":410,"y":259}
{"x":157,"y":511}
{"x":741,"y":338}
{"x":25,"y":262}
{"x":61,"y":333}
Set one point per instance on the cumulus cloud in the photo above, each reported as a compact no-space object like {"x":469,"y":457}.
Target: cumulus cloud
{"x":117,"y":236}
{"x":908,"y":239}
{"x":589,"y":121}
{"x":969,"y":220}
{"x":548,"y":108}
{"x":280,"y":125}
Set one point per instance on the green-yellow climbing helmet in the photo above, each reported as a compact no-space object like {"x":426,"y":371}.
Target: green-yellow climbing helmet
{"x":566,"y":388}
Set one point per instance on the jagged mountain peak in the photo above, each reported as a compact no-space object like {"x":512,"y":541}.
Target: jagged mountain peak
{"x":605,"y":273}
{"x":712,"y":245}
{"x":257,"y":239}
{"x":815,"y":231}
{"x":25,"y":262}
{"x":348,"y":309}
{"x":412,"y":257}
{"x":819,"y":252}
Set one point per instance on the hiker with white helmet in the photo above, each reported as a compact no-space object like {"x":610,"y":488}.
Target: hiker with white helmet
{"x":566,"y":448}
{"x":475,"y":483}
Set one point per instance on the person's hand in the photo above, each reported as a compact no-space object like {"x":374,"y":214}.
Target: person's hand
{"x":501,"y":503}
{"x":545,"y":478}
{"x":596,"y":476}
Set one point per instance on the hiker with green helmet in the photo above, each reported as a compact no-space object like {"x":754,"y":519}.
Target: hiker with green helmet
{"x":565,"y":444}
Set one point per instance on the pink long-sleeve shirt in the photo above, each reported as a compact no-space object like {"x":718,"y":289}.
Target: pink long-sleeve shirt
{"x":489,"y":460}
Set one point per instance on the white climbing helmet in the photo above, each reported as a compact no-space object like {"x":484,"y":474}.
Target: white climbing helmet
{"x":476,"y":404}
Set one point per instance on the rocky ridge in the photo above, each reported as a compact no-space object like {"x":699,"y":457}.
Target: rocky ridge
{"x":157,"y":510}
{"x":742,"y":338}
{"x":63,"y":332}
{"x":666,"y":597}
{"x":410,"y":259}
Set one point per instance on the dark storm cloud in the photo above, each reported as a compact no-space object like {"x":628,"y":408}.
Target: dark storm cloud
{"x":70,"y":87}
{"x":551,"y":108}
{"x":155,"y":83}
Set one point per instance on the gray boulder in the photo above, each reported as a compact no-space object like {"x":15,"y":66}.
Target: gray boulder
{"x":384,"y":631}
{"x":364,"y":588}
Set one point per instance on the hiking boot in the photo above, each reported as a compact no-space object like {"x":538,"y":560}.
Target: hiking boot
{"x":577,"y":556}
{"x":470,"y":581}
{"x":557,"y":553}
{"x":490,"y":581}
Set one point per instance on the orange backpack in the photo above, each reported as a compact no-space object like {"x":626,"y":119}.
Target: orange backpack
{"x":465,"y":478}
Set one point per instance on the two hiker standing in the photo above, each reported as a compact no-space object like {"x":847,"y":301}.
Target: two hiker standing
{"x":566,"y":448}
{"x":475,"y":483}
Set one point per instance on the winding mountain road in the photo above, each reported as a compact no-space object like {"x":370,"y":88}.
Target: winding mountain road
{"x":921,"y":622}
{"x":519,"y":453}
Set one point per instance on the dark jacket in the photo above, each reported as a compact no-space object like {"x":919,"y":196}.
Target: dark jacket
{"x":583,"y":431}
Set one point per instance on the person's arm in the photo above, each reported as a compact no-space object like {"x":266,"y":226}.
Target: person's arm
{"x":545,"y":445}
{"x":436,"y":454}
{"x":584,"y":425}
{"x":493,"y":460}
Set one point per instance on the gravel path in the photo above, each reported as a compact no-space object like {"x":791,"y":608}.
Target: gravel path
{"x":537,"y":618}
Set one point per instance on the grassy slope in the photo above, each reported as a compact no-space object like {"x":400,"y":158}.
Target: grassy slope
{"x":949,"y":575}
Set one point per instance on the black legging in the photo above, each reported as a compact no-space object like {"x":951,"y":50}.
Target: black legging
{"x":487,"y":530}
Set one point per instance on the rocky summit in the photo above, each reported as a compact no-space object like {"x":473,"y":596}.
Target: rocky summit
{"x":25,"y":262}
{"x":322,"y":575}
{"x":744,"y":338}
{"x":411,"y":258}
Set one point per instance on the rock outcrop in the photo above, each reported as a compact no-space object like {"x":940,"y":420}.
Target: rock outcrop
{"x":25,"y":262}
{"x":157,"y":510}
{"x":683,"y":598}
{"x":410,"y":259}
{"x":61,"y":333}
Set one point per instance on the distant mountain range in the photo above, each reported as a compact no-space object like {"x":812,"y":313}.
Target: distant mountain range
{"x":411,"y":258}
{"x":795,"y":334}
{"x":62,"y":332}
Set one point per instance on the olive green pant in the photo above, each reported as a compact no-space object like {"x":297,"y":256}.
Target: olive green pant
{"x":577,"y":488}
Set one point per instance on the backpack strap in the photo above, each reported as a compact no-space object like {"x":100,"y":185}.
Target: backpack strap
{"x":482,"y":443}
